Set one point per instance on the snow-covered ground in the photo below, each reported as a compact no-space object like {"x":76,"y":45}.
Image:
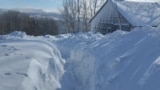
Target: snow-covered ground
{"x":117,"y":61}
{"x":27,"y":63}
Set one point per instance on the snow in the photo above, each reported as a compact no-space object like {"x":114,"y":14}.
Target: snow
{"x":118,"y":61}
{"x":29,"y":64}
{"x":140,"y":13}
{"x":84,"y":61}
{"x":135,"y":12}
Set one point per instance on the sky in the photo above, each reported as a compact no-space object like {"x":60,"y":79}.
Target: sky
{"x":49,"y":5}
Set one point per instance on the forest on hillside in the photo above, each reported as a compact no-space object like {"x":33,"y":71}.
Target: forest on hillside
{"x":16,"y":21}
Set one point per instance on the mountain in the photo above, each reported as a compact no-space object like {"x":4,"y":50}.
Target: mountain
{"x":36,"y":12}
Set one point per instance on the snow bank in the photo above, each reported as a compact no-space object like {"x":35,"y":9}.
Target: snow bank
{"x":116,"y":61}
{"x":29,"y":64}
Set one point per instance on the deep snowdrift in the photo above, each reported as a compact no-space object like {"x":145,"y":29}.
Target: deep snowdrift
{"x":29,"y":64}
{"x":117,"y":61}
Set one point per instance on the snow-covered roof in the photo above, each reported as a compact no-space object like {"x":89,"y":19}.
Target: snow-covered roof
{"x":137,"y":13}
{"x":140,"y":13}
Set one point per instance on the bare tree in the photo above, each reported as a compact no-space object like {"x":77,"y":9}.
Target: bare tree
{"x":76,"y":14}
{"x":85,"y":15}
{"x":95,"y":2}
{"x":69,"y":14}
{"x":94,"y":5}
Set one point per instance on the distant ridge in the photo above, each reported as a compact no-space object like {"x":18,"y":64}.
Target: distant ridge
{"x":35,"y":12}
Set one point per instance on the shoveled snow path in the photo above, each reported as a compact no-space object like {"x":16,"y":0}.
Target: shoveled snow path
{"x":117,"y":61}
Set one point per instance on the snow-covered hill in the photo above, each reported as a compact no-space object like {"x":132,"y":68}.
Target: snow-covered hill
{"x":117,"y":61}
{"x":35,"y":12}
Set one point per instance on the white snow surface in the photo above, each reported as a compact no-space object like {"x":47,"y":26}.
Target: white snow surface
{"x":84,"y":61}
{"x":27,"y":63}
{"x":140,"y":13}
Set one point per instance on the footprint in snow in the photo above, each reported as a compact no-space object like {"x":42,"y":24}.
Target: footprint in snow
{"x":6,"y":54}
{"x":8,"y":74}
{"x":4,"y":45}
{"x":23,"y":74}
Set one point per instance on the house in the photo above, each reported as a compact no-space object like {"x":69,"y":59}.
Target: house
{"x":125,"y":15}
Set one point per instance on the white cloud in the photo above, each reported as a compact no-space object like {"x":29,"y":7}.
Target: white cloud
{"x":51,"y":10}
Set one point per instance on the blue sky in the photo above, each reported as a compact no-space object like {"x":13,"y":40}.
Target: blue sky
{"x":51,"y":5}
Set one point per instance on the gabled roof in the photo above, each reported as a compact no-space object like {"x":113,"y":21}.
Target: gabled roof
{"x":138,"y":13}
{"x":99,"y":10}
